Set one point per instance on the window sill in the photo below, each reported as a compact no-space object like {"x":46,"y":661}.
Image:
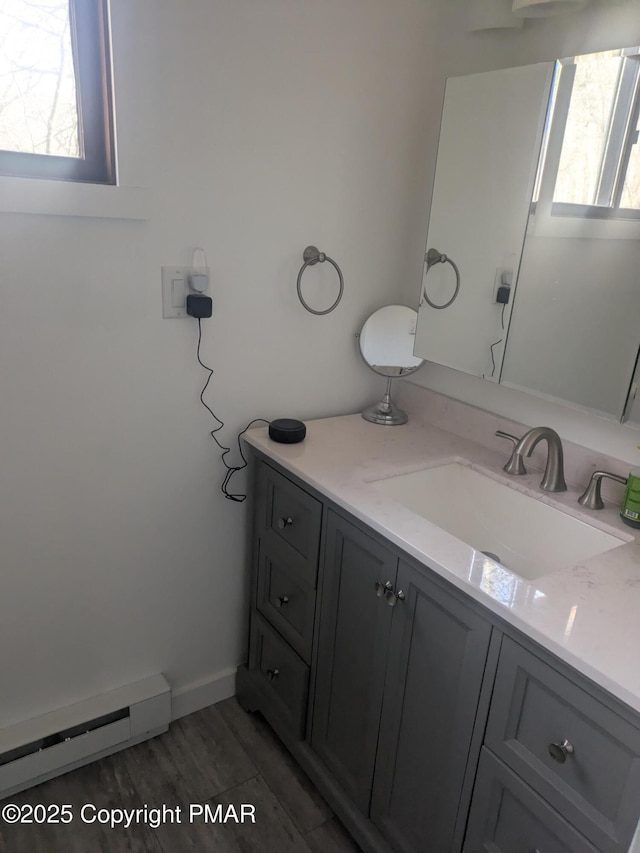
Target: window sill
{"x":63,"y":198}
{"x":570,"y":228}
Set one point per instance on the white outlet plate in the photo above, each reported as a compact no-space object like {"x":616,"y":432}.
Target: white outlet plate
{"x":175,"y":287}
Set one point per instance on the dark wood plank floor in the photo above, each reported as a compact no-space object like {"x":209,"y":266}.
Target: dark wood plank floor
{"x":220,"y":756}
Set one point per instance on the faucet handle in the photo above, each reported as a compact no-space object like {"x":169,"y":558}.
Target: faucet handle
{"x":591,"y":497}
{"x":515,"y":465}
{"x":501,"y":434}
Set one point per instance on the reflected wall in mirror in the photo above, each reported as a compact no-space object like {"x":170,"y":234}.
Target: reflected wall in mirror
{"x":571,"y":184}
{"x":575,"y":328}
{"x":386,"y":343}
{"x":490,"y":136}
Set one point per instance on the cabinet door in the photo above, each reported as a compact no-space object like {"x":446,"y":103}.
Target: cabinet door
{"x":352,"y":649}
{"x":435,"y":668}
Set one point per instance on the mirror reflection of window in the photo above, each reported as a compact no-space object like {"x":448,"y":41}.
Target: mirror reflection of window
{"x":592,"y":105}
{"x":631,"y":187}
{"x":598,"y":171}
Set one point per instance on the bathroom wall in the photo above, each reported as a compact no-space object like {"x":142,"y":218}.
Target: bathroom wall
{"x":556,"y":344}
{"x":601,"y":25}
{"x":256,"y":127}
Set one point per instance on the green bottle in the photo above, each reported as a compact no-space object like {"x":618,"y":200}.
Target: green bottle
{"x":630,"y":509}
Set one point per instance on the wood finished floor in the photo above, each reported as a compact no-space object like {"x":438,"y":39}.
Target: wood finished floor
{"x":220,"y":755}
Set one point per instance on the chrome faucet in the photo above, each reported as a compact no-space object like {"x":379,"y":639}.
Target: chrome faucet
{"x":553,"y":479}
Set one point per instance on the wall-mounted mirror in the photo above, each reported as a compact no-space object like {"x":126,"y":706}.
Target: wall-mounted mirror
{"x":537,"y":201}
{"x":386,"y":344}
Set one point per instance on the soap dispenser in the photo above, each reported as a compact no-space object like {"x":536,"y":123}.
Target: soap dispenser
{"x":630,"y":509}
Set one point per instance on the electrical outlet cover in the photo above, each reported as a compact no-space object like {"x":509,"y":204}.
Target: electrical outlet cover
{"x":175,"y":287}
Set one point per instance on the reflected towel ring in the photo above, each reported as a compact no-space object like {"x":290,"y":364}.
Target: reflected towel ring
{"x":311,"y":257}
{"x":432,"y":258}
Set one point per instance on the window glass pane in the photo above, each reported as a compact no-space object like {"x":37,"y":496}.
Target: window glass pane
{"x":590,"y":112}
{"x":630,"y":197}
{"x":38,"y":107}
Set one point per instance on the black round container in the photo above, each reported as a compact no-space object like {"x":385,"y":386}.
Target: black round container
{"x":287,"y":430}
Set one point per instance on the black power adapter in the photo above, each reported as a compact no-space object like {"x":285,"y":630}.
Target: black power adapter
{"x":502,"y":295}
{"x":198,"y":306}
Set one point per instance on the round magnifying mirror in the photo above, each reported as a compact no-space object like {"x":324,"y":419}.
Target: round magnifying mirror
{"x":386,"y":344}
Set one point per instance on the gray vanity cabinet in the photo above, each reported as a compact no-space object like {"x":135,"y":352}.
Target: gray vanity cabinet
{"x":428,"y":724}
{"x":400,"y":667}
{"x":437,"y":654}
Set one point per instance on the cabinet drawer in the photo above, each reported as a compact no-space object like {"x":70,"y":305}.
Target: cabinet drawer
{"x":593,"y":780}
{"x":284,"y":599}
{"x":508,"y":817}
{"x":284,"y":676}
{"x":289,"y":515}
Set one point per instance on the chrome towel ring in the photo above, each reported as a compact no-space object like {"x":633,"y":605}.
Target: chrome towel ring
{"x":311,"y":257}
{"x":432,"y":258}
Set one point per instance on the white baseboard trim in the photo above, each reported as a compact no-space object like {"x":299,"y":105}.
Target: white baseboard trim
{"x":201,"y":694}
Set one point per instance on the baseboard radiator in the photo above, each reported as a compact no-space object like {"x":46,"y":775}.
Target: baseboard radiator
{"x":43,"y":747}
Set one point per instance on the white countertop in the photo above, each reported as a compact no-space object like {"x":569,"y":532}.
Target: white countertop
{"x":588,"y":614}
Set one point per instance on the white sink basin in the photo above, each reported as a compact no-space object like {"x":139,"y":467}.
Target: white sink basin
{"x":525,"y":535}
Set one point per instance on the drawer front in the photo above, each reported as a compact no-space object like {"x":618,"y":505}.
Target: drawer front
{"x":575,"y":751}
{"x":509,"y":817}
{"x":290,"y":516}
{"x":284,"y":676}
{"x":285,"y":600}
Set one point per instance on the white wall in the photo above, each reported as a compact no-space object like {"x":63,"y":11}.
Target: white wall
{"x":574,"y":330}
{"x":258,"y":127}
{"x":454,"y":51}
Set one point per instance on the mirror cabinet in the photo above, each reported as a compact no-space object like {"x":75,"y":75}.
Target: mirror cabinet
{"x":536,"y":205}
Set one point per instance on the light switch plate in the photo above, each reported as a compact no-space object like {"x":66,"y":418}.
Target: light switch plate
{"x":175,"y":287}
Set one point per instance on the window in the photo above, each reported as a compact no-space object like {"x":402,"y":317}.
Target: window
{"x":56,"y":117}
{"x":593,"y":143}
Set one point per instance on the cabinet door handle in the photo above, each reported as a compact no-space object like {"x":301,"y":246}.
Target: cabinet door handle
{"x":382,"y":588}
{"x":284,"y":522}
{"x":272,"y":674}
{"x":394,"y":597}
{"x":559,"y":751}
{"x":282,"y":600}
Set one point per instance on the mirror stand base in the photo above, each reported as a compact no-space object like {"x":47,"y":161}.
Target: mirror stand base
{"x":376,"y":415}
{"x":385,"y":412}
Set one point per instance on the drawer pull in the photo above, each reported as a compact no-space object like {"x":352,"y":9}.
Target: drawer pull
{"x":284,"y":522}
{"x":282,"y":600}
{"x":394,"y":597}
{"x":381,"y":588}
{"x":559,"y":751}
{"x":272,"y":674}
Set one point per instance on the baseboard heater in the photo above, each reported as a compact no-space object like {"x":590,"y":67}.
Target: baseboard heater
{"x":43,"y":747}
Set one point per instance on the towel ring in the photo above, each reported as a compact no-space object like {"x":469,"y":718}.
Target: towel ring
{"x":432,"y":258}
{"x":312,"y":256}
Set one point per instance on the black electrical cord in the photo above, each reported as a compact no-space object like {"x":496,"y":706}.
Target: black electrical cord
{"x":495,"y":344}
{"x":238,"y":497}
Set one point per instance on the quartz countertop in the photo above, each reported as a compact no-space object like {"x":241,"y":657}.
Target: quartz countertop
{"x":586,"y":614}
